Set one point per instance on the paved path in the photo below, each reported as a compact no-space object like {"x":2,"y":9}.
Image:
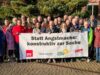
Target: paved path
{"x":33,"y":68}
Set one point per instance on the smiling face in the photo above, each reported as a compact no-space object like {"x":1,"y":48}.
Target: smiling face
{"x":65,"y":17}
{"x":34,"y":20}
{"x":81,"y":22}
{"x":55,"y":21}
{"x":49,"y":18}
{"x":51,"y":23}
{"x":67,"y":22}
{"x":86,"y":24}
{"x":70,"y":18}
{"x":28,"y":20}
{"x":74,"y":22}
{"x":6,"y":22}
{"x":14,"y":20}
{"x":39,"y":19}
{"x":19,"y":22}
{"x":37,"y":25}
{"x":98,"y":27}
{"x":63,"y":26}
{"x":92,"y":18}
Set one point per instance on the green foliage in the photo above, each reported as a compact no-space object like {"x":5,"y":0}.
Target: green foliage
{"x":44,"y":7}
{"x":6,"y":12}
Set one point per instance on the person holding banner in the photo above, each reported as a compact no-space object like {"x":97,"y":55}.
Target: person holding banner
{"x":97,"y":42}
{"x":90,"y":37}
{"x":16,"y":30}
{"x":36,"y":29}
{"x":50,"y":30}
{"x":68,"y":25}
{"x":63,"y":29}
{"x":75,"y":26}
{"x":59,"y":20}
{"x":43,"y":27}
{"x":34,"y":21}
{"x":56,"y":26}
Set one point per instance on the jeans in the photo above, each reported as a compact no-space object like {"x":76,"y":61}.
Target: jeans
{"x":98,"y":54}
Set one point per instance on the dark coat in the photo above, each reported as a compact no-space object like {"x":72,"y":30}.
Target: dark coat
{"x":74,"y":28}
{"x":56,"y":29}
{"x":43,"y":30}
{"x":49,"y":31}
{"x":2,"y":39}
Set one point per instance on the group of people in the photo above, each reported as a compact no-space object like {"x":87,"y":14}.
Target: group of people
{"x":10,"y":31}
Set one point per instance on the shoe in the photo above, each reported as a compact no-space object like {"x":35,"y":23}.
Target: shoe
{"x":71,"y":60}
{"x":54,"y":61}
{"x":88,"y":60}
{"x":77,"y":60}
{"x":48,"y":60}
{"x":8,"y":60}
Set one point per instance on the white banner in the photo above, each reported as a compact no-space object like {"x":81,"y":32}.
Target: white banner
{"x":55,"y":45}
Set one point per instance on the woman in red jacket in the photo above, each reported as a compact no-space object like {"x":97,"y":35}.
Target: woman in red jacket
{"x":97,"y":42}
{"x":16,"y":30}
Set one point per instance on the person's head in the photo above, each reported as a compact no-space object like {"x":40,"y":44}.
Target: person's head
{"x":67,"y":22}
{"x":14,"y":20}
{"x":19,"y":22}
{"x":59,"y":20}
{"x":81,"y":21}
{"x":51,"y":23}
{"x":98,"y":26}
{"x":63,"y":26}
{"x":23,"y":24}
{"x":49,"y":18}
{"x":65,"y":17}
{"x":84,"y":9}
{"x":39,"y":18}
{"x":23,"y":18}
{"x":70,"y":18}
{"x":55,"y":21}
{"x":6,"y":22}
{"x":43,"y":24}
{"x":92,"y":17}
{"x":37,"y":25}
{"x":28,"y":20}
{"x":74,"y":21}
{"x":77,"y":18}
{"x":86,"y":24}
{"x":45,"y":20}
{"x":34,"y":20}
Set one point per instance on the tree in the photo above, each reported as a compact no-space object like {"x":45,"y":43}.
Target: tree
{"x":60,"y":6}
{"x":10,"y":8}
{"x":23,"y":7}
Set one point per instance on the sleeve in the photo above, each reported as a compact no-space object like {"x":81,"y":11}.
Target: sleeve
{"x":90,"y":37}
{"x":13,"y":31}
